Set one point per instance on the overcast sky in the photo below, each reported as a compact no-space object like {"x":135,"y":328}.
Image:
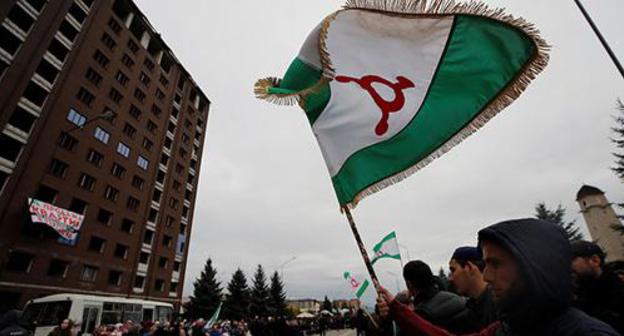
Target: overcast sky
{"x":265,"y":194}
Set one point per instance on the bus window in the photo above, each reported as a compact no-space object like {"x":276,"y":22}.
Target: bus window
{"x":111,"y":313}
{"x":47,"y":313}
{"x":148,"y":314}
{"x":164,"y":313}
{"x":132,"y":312}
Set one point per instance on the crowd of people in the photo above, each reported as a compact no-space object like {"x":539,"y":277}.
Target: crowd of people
{"x":523,"y":278}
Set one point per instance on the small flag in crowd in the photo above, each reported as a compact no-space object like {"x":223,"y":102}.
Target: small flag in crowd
{"x":387,"y":248}
{"x":358,"y":287}
{"x":214,"y":317}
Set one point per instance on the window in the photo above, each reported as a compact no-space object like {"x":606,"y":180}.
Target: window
{"x":127,"y":61}
{"x":93,"y":77}
{"x":133,"y":46}
{"x":35,"y":94}
{"x":188,"y":195}
{"x":176,"y":266}
{"x":114,"y":278}
{"x":96,"y":244}
{"x":100,"y":58}
{"x":139,"y":281}
{"x":174,"y":203}
{"x":95,"y":158}
{"x":19,"y":262}
{"x":58,"y":268}
{"x":57,"y":168}
{"x":129,"y":130}
{"x":85,"y":96}
{"x":127,"y":225}
{"x":46,"y":194}
{"x":118,"y":171}
{"x":166,"y":241}
{"x":164,"y":159}
{"x":182,"y":229}
{"x":76,"y":118}
{"x":133,"y":203}
{"x":122,"y":78}
{"x":176,"y":185}
{"x":108,"y":41}
{"x":77,"y":13}
{"x":159,"y":285}
{"x":144,"y":257}
{"x":21,"y":18}
{"x":153,"y":215}
{"x":144,"y":78}
{"x":138,"y":182}
{"x":88,"y":273}
{"x":147,"y":144}
{"x":142,"y":162}
{"x":78,"y":206}
{"x":121,"y":251}
{"x":156,"y":110}
{"x":123,"y":149}
{"x":111,"y":193}
{"x":163,"y":80}
{"x":101,"y":135}
{"x":10,"y":148}
{"x":115,"y":95}
{"x":159,"y":94}
{"x":58,"y":50}
{"x":171,"y":127}
{"x":46,"y":70}
{"x":86,"y":182}
{"x":68,"y":30}
{"x":67,"y":142}
{"x":135,"y":112}
{"x":149,"y":64}
{"x":148,"y":238}
{"x":186,"y":139}
{"x":156,"y":195}
{"x":22,"y":120}
{"x":3,"y":66}
{"x":104,"y":217}
{"x":168,"y":143}
{"x":170,"y":221}
{"x":37,"y":4}
{"x":114,"y":25}
{"x":151,"y":126}
{"x":185,"y":211}
{"x":139,"y":95}
{"x":162,"y":262}
{"x":8,"y":41}
{"x":160,"y":177}
{"x":188,"y":124}
{"x":173,"y":287}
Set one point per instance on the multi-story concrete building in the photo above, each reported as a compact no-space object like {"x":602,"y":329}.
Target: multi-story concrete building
{"x":600,"y":219}
{"x":97,"y":116}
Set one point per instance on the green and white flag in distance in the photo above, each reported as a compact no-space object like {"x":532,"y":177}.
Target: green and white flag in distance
{"x":390,"y":85}
{"x":214,"y":317}
{"x":387,"y":248}
{"x":358,"y":287}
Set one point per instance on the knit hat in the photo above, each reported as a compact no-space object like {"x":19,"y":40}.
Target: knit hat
{"x":583,"y":248}
{"x":468,"y":253}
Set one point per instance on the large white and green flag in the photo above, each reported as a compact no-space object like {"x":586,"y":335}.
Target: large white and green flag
{"x":389,"y":85}
{"x":357,"y":286}
{"x":387,"y":248}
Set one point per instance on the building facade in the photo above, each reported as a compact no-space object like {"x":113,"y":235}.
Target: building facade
{"x":600,"y":219}
{"x":97,"y":116}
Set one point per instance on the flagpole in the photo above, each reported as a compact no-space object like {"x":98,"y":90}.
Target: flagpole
{"x":358,"y":239}
{"x":604,"y":42}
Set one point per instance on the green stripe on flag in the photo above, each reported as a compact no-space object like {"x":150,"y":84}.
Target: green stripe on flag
{"x":389,"y":237}
{"x":362,"y":289}
{"x":483,"y":56}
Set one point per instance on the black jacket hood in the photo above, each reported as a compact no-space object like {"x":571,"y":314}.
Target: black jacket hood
{"x":544,"y":256}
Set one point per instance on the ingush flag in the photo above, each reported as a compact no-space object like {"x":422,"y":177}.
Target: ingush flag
{"x":358,"y":287}
{"x":387,"y":248}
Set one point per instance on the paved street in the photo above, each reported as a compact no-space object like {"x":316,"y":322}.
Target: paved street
{"x":350,"y":332}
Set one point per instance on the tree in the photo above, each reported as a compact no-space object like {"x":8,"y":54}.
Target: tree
{"x":206,"y":294}
{"x":277,"y":297}
{"x":618,"y":169}
{"x":236,"y":305}
{"x":557,"y":217}
{"x":259,"y":295}
{"x":327,"y":305}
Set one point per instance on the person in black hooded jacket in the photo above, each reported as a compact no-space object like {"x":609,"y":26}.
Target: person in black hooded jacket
{"x":528,"y":266}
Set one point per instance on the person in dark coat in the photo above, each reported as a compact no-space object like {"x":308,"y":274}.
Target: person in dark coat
{"x":10,"y":324}
{"x":599,"y":291}
{"x":439,"y":307}
{"x":466,"y":274}
{"x":528,"y":264}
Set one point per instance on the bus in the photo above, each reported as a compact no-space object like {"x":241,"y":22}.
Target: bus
{"x":91,"y":311}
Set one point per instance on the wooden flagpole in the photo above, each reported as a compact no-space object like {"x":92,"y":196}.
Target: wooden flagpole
{"x":360,"y":244}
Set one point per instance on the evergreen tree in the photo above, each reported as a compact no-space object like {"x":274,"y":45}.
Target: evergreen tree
{"x":259,"y":295}
{"x":277,"y":297}
{"x":206,"y":294}
{"x":327,"y":305}
{"x":557,"y":217}
{"x":236,"y":305}
{"x":619,"y":156}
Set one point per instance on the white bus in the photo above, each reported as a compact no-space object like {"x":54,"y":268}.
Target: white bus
{"x":91,"y":311}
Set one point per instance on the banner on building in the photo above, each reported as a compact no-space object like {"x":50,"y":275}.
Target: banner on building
{"x":63,"y":221}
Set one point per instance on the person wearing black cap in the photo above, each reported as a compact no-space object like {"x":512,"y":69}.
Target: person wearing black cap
{"x":528,"y":265}
{"x":466,"y":266}
{"x":599,"y":291}
{"x":440,"y":307}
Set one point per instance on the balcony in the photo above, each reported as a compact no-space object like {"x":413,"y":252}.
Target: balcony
{"x":142,"y":268}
